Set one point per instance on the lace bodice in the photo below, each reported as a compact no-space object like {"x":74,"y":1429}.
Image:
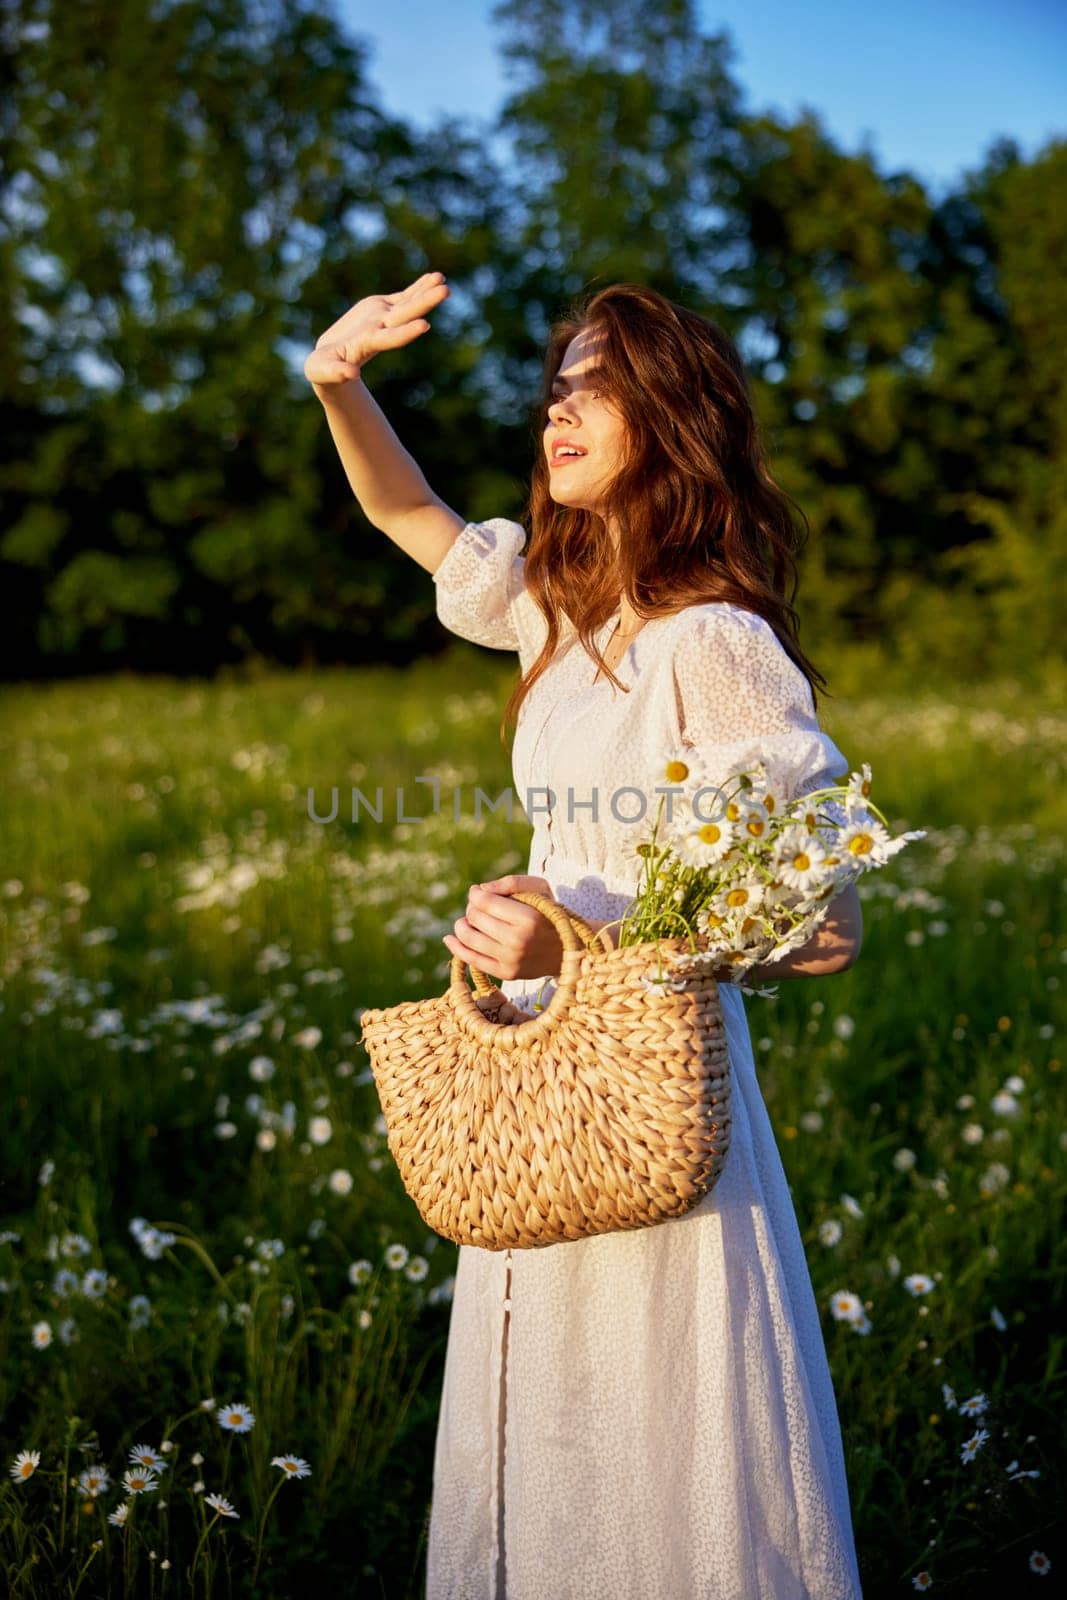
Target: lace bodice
{"x":712,"y":678}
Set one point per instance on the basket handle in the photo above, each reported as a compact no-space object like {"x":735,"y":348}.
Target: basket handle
{"x":572,"y":928}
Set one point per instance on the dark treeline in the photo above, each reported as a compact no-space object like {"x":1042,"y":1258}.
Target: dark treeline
{"x":191,"y":192}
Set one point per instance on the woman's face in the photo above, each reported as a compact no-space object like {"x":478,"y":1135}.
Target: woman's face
{"x":581,"y":416}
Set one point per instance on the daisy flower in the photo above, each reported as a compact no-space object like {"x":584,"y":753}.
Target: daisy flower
{"x":1039,"y":1562}
{"x":220,"y":1504}
{"x":140,"y":1311}
{"x":674,"y":765}
{"x":830,"y":1231}
{"x":416,"y":1269}
{"x":118,"y":1517}
{"x":922,"y":1580}
{"x":142,"y":1455}
{"x":340,"y":1181}
{"x":138,"y":1480}
{"x":292,"y":1466}
{"x":972,"y":1445}
{"x":975,"y":1406}
{"x":236,"y":1417}
{"x":25,"y":1465}
{"x":396,"y":1255}
{"x":94,"y":1284}
{"x":800,"y":859}
{"x":948,"y":1395}
{"x":996,"y":1317}
{"x":94,"y":1481}
{"x":846,"y":1306}
{"x":918,"y":1283}
{"x":360,"y":1271}
{"x":847,"y":1202}
{"x":42,"y":1335}
{"x":863,"y":842}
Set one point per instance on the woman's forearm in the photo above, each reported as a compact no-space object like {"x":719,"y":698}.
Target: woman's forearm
{"x":385,"y":478}
{"x":833,"y":946}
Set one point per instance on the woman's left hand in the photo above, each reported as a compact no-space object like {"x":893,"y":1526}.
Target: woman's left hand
{"x":502,"y":936}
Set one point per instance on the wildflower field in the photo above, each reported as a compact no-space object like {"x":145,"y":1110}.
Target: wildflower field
{"x":223,"y":1323}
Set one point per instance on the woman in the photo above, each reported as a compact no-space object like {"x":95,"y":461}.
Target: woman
{"x":644,"y":1415}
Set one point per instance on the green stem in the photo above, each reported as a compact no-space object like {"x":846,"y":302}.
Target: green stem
{"x":263,"y":1526}
{"x":81,"y":1574}
{"x":65,"y":1491}
{"x":186,"y":1236}
{"x":196,"y":1556}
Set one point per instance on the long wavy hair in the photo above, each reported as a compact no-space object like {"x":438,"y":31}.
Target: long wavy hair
{"x":700,"y":517}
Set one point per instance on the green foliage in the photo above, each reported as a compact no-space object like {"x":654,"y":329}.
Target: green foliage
{"x":193,"y":192}
{"x":171,"y":919}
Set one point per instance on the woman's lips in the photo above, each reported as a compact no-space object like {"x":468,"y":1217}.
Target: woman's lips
{"x":563,"y":461}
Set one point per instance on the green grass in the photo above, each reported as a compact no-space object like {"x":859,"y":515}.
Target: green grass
{"x":170,"y":914}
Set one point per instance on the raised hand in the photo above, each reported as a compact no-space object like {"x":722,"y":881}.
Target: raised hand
{"x":379,"y":322}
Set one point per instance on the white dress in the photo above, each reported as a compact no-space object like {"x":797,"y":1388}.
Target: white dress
{"x":645,"y":1415}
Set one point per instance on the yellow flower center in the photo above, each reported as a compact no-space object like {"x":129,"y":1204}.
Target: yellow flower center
{"x":801,"y":861}
{"x":677,"y":771}
{"x":755,"y":827}
{"x":737,"y":897}
{"x":709,"y":833}
{"x":861,"y":845}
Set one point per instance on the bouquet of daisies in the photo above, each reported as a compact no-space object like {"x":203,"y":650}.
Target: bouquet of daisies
{"x":745,"y":874}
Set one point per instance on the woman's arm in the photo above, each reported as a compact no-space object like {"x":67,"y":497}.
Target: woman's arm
{"x":833,"y":947}
{"x":386,"y":480}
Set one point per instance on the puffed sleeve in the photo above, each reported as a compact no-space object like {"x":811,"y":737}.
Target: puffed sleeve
{"x":739,"y":698}
{"x":481,"y":581}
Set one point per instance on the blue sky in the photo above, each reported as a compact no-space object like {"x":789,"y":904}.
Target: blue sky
{"x":930,"y":82}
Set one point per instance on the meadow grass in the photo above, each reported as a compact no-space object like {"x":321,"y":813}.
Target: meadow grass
{"x":186,"y":954}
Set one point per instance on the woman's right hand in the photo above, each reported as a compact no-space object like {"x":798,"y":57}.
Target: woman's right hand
{"x":379,"y":322}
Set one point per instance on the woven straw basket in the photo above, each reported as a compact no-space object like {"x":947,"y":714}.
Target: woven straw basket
{"x":609,"y":1110}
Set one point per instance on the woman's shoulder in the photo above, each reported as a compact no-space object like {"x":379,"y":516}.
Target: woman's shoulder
{"x":721,"y":626}
{"x":716,"y":643}
{"x":706,"y":615}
